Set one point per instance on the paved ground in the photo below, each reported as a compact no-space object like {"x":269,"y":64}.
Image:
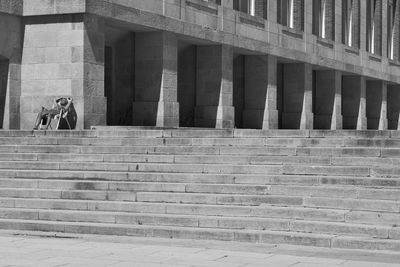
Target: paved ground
{"x":47,"y":249}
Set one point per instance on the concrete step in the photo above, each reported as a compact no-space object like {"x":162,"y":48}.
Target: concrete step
{"x":206,"y":150}
{"x":202,"y":159}
{"x":207,"y":178}
{"x":274,"y":237}
{"x":265,"y":211}
{"x":257,"y":200}
{"x":205,"y":168}
{"x":226,"y":222}
{"x":243,"y":189}
{"x":105,"y":131}
{"x":247,"y":133}
{"x":199,"y":159}
{"x":67,"y":194}
{"x":238,"y":142}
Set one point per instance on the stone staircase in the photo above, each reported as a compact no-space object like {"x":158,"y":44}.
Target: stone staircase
{"x":338,"y":189}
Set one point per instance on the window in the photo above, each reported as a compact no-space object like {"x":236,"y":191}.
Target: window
{"x":246,"y":6}
{"x":323,"y":18}
{"x":374,"y":24}
{"x":291,"y":13}
{"x":392,"y":28}
{"x":348,"y":20}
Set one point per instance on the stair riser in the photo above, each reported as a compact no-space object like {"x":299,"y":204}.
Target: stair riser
{"x":206,"y":159}
{"x":204,"y":222}
{"x":364,"y":217}
{"x":202,"y":234}
{"x":194,"y":150}
{"x":202,"y":178}
{"x":203,"y":168}
{"x":269,"y":142}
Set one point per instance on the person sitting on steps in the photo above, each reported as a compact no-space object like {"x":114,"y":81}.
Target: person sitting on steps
{"x":46,"y":115}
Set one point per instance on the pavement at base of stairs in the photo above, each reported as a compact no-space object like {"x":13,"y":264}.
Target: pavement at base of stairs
{"x":43,"y":249}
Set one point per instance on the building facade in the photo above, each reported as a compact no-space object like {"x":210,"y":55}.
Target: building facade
{"x":257,"y":64}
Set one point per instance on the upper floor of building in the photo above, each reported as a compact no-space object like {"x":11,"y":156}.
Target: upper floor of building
{"x":354,"y":36}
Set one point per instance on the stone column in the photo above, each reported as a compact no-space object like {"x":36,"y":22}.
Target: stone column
{"x":328,"y":100}
{"x":186,"y":84}
{"x":121,"y":94}
{"x":4,"y":100}
{"x":393,"y":106}
{"x":297,"y":96}
{"x":376,"y":105}
{"x":214,"y":87}
{"x":260,"y":96}
{"x":156,"y":80}
{"x":95,"y":102}
{"x":354,"y":102}
{"x":10,"y":92}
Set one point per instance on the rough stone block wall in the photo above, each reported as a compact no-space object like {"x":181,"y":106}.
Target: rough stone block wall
{"x":52,"y":64}
{"x":63,"y":56}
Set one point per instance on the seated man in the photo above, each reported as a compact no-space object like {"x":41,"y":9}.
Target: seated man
{"x":46,"y":115}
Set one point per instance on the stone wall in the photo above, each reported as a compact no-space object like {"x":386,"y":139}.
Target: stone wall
{"x":63,"y":56}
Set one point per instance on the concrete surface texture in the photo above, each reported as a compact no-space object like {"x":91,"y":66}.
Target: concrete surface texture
{"x":51,"y":249}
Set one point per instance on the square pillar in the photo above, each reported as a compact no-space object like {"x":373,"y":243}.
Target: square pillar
{"x":156,"y":80}
{"x":260,"y":95}
{"x":119,"y":82}
{"x":63,"y":57}
{"x":376,"y":105}
{"x":297,"y":96}
{"x":354,"y":102}
{"x":214,"y":87}
{"x":328,"y":100}
{"x":393,"y":106}
{"x":93,"y":92}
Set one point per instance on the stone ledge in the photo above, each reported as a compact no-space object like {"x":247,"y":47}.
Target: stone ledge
{"x":325,"y":42}
{"x":352,"y":50}
{"x":375,"y":58}
{"x":394,"y":63}
{"x":292,"y":32}
{"x":203,"y":6}
{"x":251,"y":20}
